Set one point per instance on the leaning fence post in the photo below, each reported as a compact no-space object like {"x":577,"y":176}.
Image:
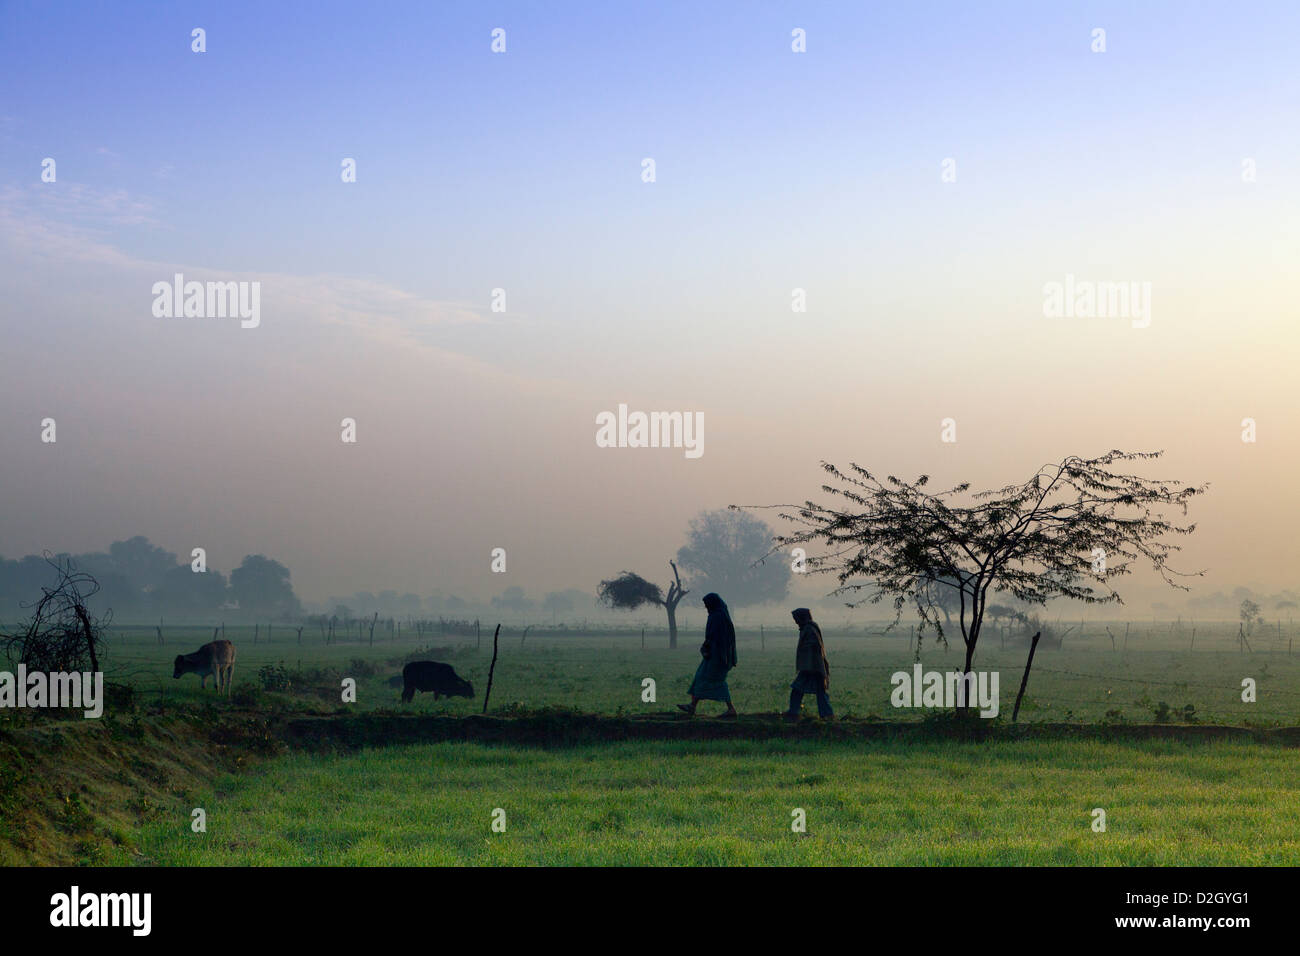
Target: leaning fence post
{"x":1024,"y":681}
{"x":492,"y":669}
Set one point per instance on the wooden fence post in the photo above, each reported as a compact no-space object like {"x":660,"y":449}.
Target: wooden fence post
{"x":1024,"y":681}
{"x":492,"y":669}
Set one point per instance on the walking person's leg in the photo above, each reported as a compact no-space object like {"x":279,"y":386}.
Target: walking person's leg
{"x":796,"y":703}
{"x":824,"y":705}
{"x":731,"y":709}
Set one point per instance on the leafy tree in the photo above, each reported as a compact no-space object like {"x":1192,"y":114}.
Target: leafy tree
{"x":1250,"y":613}
{"x":513,"y":599}
{"x":939,"y":592}
{"x":630,"y":591}
{"x":1001,"y":612}
{"x":1034,"y":541}
{"x":141,"y":561}
{"x":724,"y":553}
{"x":187,"y":592}
{"x":261,"y":586}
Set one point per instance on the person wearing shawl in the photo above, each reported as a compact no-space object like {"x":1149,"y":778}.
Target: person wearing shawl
{"x":719,"y":653}
{"x":814,"y":671}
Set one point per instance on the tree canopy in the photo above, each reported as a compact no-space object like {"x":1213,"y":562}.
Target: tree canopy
{"x":725,"y":553}
{"x":1069,"y":531}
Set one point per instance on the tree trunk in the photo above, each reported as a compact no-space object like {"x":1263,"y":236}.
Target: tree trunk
{"x":672,"y":626}
{"x":90,"y":637}
{"x":968,"y":686}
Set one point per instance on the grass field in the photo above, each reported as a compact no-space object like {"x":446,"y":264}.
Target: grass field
{"x":730,"y":803}
{"x":1085,"y":680}
{"x":116,"y":793}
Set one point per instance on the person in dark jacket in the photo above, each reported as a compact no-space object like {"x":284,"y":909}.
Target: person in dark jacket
{"x":814,"y":675}
{"x":719,"y":656}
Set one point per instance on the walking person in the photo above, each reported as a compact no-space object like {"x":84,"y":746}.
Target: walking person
{"x":719,"y":656}
{"x":814,"y":675}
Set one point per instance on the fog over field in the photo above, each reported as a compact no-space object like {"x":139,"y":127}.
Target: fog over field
{"x":658,"y":434}
{"x":501,"y":272}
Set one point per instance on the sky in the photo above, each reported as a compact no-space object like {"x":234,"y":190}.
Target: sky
{"x":1169,"y":159}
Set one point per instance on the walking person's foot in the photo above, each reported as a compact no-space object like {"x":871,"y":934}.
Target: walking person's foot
{"x":687,"y":709}
{"x":729,"y":715}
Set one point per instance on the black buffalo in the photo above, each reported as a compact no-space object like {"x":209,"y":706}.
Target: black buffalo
{"x":432,"y":676}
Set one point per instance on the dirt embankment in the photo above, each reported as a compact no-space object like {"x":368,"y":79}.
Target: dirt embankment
{"x":70,"y":790}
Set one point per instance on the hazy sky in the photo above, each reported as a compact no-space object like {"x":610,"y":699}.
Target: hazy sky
{"x":522,"y":171}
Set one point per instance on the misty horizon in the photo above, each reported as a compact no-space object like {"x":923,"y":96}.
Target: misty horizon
{"x":469,"y":295}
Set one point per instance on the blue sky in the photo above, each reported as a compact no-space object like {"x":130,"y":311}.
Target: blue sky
{"x":775,"y":170}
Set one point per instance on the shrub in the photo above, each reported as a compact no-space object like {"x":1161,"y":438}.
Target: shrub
{"x":275,"y":677}
{"x":360,"y":667}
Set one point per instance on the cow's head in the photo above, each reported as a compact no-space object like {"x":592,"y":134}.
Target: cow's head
{"x":180,"y":666}
{"x":463,"y":688}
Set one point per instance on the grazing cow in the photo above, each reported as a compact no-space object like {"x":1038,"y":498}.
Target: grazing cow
{"x":433,"y":676}
{"x":214,"y":659}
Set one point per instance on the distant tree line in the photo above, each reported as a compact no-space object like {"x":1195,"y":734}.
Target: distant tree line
{"x":140,"y":581}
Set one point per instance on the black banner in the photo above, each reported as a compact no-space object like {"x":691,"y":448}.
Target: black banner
{"x":144,"y":906}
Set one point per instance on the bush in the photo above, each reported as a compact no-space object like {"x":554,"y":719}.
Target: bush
{"x":360,"y":667}
{"x":62,"y":635}
{"x":275,"y":677}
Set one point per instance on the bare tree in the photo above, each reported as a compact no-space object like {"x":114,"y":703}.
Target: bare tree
{"x":630,"y":591}
{"x":62,"y":634}
{"x":1066,"y":532}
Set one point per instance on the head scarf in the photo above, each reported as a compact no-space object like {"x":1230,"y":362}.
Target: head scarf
{"x":719,"y":632}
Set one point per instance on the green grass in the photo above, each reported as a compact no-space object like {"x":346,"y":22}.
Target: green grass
{"x":596,"y":673}
{"x":721,"y":803}
{"x":920,"y":800}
